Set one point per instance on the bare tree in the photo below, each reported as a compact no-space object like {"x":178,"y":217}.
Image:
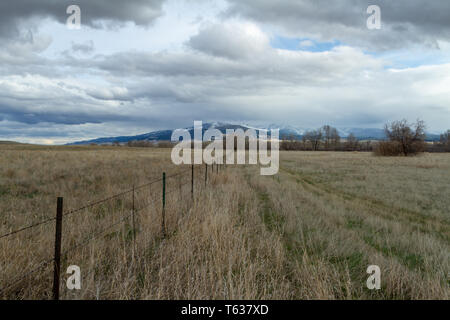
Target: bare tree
{"x":445,"y":137}
{"x":367,"y":146}
{"x":326,"y":136}
{"x":352,"y":143}
{"x":335,"y":139}
{"x":290,"y":142}
{"x":313,"y":137}
{"x":445,"y":140}
{"x":305,"y":141}
{"x":330,"y":137}
{"x":409,"y":137}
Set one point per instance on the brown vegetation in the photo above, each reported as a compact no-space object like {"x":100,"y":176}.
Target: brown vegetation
{"x":324,"y":139}
{"x":403,"y":139}
{"x":308,"y":233}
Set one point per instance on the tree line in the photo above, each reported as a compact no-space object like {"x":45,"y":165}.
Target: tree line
{"x":401,"y":138}
{"x":325,"y":138}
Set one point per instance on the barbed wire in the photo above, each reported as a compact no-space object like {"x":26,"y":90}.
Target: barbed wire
{"x":45,"y":263}
{"x":90,"y":205}
{"x":28,"y":227}
{"x":95,"y":235}
{"x":20,"y":278}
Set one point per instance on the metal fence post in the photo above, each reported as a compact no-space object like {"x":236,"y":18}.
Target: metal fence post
{"x":192,"y":182}
{"x":206,"y":173}
{"x":180,"y":187}
{"x":163,"y":224}
{"x":133,"y":226}
{"x":57,"y":257}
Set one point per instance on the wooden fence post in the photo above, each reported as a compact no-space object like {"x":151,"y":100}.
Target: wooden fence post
{"x":163,"y":224}
{"x":57,"y":257}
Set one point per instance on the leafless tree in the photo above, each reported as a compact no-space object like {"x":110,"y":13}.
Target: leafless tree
{"x":367,"y":146}
{"x":330,"y":137}
{"x":445,"y":140}
{"x":352,"y":143}
{"x":409,"y":137}
{"x":314,"y":137}
{"x":326,"y":136}
{"x":445,"y":137}
{"x":335,"y":139}
{"x":290,"y":142}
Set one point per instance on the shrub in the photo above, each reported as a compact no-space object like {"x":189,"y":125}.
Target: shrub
{"x":403,"y":139}
{"x":387,"y":149}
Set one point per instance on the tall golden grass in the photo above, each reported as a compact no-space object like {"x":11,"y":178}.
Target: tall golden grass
{"x":308,"y":233}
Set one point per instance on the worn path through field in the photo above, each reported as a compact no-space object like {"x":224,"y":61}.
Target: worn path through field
{"x":339,"y":234}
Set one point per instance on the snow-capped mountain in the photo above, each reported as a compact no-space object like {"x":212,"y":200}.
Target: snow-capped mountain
{"x":285,"y":131}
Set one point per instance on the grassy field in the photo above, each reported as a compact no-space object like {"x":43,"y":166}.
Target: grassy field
{"x":309,"y":232}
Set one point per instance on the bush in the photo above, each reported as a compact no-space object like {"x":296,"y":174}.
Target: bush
{"x":140,"y":144}
{"x":387,"y":149}
{"x":394,"y":148}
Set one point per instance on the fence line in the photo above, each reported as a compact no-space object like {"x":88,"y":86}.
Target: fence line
{"x":59,"y":220}
{"x":28,"y":227}
{"x":87,"y":206}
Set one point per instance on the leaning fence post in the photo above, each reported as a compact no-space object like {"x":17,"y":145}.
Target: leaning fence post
{"x":163,"y":224}
{"x":57,"y":257}
{"x":192,"y":182}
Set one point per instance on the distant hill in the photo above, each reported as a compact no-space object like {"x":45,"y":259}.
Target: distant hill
{"x":165,"y":135}
{"x":161,"y":135}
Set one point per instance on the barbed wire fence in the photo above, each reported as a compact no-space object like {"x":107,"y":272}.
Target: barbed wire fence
{"x":203,"y":172}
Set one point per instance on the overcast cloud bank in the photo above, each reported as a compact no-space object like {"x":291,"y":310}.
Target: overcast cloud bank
{"x":138,"y":66}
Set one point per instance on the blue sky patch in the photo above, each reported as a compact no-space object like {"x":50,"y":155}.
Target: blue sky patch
{"x":302,"y":44}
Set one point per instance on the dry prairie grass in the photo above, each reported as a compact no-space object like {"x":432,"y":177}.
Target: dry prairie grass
{"x":213,"y":248}
{"x":342,"y":212}
{"x":308,"y":233}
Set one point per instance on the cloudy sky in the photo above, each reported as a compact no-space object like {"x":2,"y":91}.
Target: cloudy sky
{"x":140,"y":65}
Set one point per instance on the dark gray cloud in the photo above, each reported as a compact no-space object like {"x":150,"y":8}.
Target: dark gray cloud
{"x":32,"y":113}
{"x":225,"y":71}
{"x":160,"y":90}
{"x":14,"y":13}
{"x":404,"y":22}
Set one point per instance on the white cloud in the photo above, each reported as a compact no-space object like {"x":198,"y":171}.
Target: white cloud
{"x":195,"y":64}
{"x":233,"y":40}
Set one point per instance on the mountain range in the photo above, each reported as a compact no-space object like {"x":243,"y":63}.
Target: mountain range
{"x":165,"y":135}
